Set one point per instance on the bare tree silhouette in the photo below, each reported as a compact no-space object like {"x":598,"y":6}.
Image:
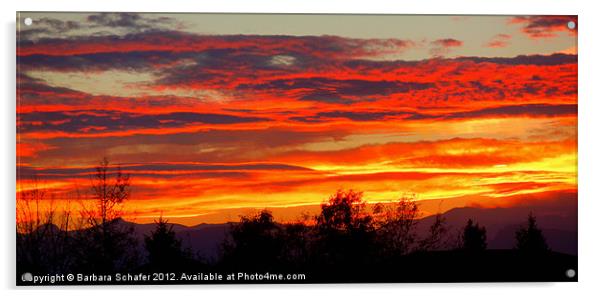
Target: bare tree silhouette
{"x":43,"y":238}
{"x":108,"y":194}
{"x":108,"y":244}
{"x":435,"y":238}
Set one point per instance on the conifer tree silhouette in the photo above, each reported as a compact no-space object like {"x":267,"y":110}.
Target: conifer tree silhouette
{"x":163,"y":247}
{"x":530,"y":239}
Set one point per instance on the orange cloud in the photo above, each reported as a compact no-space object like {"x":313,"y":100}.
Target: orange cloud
{"x":290,"y":119}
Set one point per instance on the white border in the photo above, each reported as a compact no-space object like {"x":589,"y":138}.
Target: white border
{"x":590,"y":148}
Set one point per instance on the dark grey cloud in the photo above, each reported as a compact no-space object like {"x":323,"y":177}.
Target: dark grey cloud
{"x":545,"y":26}
{"x":246,"y":52}
{"x":29,"y":34}
{"x":237,"y":61}
{"x":202,"y":146}
{"x":134,"y":61}
{"x":535,"y":110}
{"x":335,"y":91}
{"x":515,"y":110}
{"x":554,"y":59}
{"x":159,"y":170}
{"x":255,"y":64}
{"x":57,"y":25}
{"x":124,"y":19}
{"x":108,"y":121}
{"x":47,"y":27}
{"x":269,"y":138}
{"x":134,"y":22}
{"x":354,"y":116}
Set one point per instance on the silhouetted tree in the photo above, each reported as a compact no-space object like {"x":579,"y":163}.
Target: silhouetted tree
{"x":345,"y":212}
{"x":396,"y":226}
{"x":109,"y":243}
{"x":474,"y":237}
{"x":108,"y":194}
{"x":164,"y":248}
{"x":434,"y":239}
{"x":344,"y":230}
{"x":296,"y":241}
{"x":255,"y":243}
{"x":530,"y":239}
{"x":43,"y":239}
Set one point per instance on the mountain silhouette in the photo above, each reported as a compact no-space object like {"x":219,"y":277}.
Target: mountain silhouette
{"x":557,"y":218}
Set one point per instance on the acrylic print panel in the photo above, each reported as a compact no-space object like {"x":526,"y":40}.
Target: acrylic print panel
{"x":262,"y":148}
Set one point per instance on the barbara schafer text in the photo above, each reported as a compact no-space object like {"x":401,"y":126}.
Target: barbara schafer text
{"x":157,"y":277}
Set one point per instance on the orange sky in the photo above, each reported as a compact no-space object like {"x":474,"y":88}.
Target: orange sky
{"x":210,"y":124}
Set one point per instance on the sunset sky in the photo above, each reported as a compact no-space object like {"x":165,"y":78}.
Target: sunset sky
{"x":216,"y":114}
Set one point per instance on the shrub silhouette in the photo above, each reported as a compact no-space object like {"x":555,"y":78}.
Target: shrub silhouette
{"x":474,"y":237}
{"x":530,"y":239}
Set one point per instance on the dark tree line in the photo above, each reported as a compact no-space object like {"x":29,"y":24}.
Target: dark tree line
{"x":346,"y":235}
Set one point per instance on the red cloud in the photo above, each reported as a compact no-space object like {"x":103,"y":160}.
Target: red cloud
{"x":448,"y":42}
{"x":290,"y":112}
{"x":443,"y":46}
{"x":31,"y":149}
{"x":302,"y":96}
{"x":499,"y":41}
